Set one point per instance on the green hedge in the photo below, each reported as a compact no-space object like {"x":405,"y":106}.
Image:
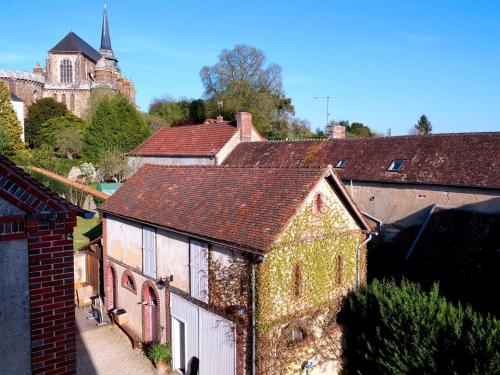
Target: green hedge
{"x":401,"y":329}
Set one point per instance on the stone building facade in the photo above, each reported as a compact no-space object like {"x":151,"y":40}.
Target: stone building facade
{"x":72,"y":70}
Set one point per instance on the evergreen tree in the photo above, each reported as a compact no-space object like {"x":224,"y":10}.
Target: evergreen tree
{"x":9,"y":123}
{"x":115,"y":124}
{"x":423,"y":126}
{"x":64,"y":134}
{"x":39,"y":112}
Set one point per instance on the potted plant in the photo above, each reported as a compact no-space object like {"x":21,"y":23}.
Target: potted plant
{"x":160,"y":354}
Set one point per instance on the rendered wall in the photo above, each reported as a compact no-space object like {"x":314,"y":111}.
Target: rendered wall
{"x":136,"y":162}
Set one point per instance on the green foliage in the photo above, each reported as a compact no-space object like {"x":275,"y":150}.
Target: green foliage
{"x":115,"y":124}
{"x":39,"y":112}
{"x":423,"y":126}
{"x":9,"y":124}
{"x":113,"y":166}
{"x":177,"y":112}
{"x":359,"y":130}
{"x":44,"y":157}
{"x":160,"y":353}
{"x":64,"y":134}
{"x":242,"y":81}
{"x":401,"y":329}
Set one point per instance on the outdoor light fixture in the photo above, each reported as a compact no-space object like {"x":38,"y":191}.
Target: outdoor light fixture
{"x":162,"y":282}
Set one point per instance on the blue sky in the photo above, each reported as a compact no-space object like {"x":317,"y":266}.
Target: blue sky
{"x":391,"y":60}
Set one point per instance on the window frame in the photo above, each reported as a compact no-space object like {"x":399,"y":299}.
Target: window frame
{"x":66,"y":71}
{"x":126,"y":276}
{"x":396,"y":165}
{"x":341,"y":163}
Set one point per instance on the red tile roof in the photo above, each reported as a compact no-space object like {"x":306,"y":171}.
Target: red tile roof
{"x":243,"y":207}
{"x":188,"y":140}
{"x":462,"y":159}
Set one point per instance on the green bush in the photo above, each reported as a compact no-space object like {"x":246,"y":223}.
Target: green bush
{"x":160,"y":353}
{"x":401,"y":329}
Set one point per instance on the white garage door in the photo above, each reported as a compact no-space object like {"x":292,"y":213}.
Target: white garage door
{"x":201,"y":334}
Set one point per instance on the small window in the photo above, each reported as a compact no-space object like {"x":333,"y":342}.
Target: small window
{"x":318,"y":203}
{"x":341,"y":163}
{"x":340,"y":270}
{"x":297,"y":281}
{"x":128,"y":281}
{"x":396,"y":165}
{"x":296,"y":334}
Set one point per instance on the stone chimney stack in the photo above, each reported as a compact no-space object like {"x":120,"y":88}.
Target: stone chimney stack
{"x":337,"y":132}
{"x":220,"y":118}
{"x":244,"y":123}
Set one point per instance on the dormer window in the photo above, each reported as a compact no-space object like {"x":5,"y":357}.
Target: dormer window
{"x":396,"y":165}
{"x":341,"y":163}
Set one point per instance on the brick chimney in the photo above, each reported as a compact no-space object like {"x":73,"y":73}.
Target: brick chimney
{"x":244,"y":123}
{"x":337,"y":132}
{"x":220,"y":118}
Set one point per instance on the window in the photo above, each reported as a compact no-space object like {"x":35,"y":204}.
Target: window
{"x":297,"y":281}
{"x":66,"y":71}
{"x":198,"y":270}
{"x":396,"y":165}
{"x":149,"y":251}
{"x":341,"y":163}
{"x":72,"y":102}
{"x":296,"y":334}
{"x":318,"y":203}
{"x":339,"y":270}
{"x":63,"y":98}
{"x":128,"y":281}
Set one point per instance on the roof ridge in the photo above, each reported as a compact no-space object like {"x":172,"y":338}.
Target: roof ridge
{"x":321,"y":167}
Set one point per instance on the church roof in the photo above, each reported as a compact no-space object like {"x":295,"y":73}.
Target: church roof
{"x":105,"y":38}
{"x":73,"y":43}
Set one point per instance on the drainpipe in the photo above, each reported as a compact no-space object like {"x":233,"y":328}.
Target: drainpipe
{"x":253,"y":323}
{"x":358,"y":258}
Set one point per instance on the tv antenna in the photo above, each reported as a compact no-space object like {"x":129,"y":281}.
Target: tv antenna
{"x":327,"y":98}
{"x":220,"y":104}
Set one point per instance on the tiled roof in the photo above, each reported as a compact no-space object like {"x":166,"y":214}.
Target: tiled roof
{"x":189,"y":140}
{"x":28,"y":194}
{"x":243,"y":207}
{"x":462,"y":159}
{"x":73,"y":43}
{"x":459,"y":248}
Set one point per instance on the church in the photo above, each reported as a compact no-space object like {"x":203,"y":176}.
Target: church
{"x":72,"y":70}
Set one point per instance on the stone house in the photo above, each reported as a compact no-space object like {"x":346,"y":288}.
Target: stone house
{"x":397,"y":180}
{"x":36,"y":286}
{"x":240,"y":269}
{"x":203,"y":144}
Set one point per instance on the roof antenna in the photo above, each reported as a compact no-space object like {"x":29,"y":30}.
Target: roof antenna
{"x":328,"y":104}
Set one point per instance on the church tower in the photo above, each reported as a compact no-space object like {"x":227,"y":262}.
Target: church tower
{"x":106,"y":51}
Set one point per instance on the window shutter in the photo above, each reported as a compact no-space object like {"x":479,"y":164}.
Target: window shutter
{"x":149,"y":251}
{"x":199,"y":270}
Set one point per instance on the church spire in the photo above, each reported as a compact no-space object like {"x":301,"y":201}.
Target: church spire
{"x":105,"y":38}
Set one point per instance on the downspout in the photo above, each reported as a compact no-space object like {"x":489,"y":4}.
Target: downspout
{"x":358,"y":258}
{"x":253,"y":323}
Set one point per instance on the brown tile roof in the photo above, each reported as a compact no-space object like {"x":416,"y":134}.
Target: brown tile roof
{"x":462,"y":159}
{"x":243,"y":207}
{"x":188,"y":140}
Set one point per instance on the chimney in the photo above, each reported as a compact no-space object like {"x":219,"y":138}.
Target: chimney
{"x":220,"y":118}
{"x":337,"y":132}
{"x":244,"y":123}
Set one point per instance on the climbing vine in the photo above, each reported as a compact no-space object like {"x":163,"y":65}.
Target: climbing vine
{"x":300,"y":285}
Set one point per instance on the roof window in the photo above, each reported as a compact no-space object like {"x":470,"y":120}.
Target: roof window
{"x":396,"y":165}
{"x":341,"y":163}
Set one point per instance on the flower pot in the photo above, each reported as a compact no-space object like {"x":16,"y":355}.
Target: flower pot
{"x":161,"y":367}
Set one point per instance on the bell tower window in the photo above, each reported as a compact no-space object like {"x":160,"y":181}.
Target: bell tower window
{"x":66,"y":71}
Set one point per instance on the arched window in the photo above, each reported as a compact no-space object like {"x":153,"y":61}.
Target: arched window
{"x":128,"y":281}
{"x":66,"y":71}
{"x":72,"y":102}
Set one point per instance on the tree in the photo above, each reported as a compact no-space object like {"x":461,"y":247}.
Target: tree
{"x":423,"y":126}
{"x":9,"y":123}
{"x":241,"y":81}
{"x":113,"y":166}
{"x":299,"y":129}
{"x":175,"y":112}
{"x":115,"y":124}
{"x":64,"y":134}
{"x":359,"y":130}
{"x":39,"y":112}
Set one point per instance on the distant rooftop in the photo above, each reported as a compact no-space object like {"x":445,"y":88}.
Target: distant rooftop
{"x":73,"y":43}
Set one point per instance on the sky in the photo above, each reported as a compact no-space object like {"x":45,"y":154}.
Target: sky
{"x":387,"y":62}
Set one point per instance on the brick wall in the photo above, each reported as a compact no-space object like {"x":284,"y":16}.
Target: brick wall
{"x":52,"y":311}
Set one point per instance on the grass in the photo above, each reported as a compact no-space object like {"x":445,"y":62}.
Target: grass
{"x":86,"y":231}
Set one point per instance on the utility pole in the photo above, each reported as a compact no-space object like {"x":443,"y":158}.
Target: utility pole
{"x":328,"y":104}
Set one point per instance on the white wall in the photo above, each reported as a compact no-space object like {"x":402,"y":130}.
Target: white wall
{"x":19,"y":109}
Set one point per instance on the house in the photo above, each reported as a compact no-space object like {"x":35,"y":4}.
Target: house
{"x":396,"y":180}
{"x":460,"y":249}
{"x":241,"y":269}
{"x":36,"y":285}
{"x":203,"y":144}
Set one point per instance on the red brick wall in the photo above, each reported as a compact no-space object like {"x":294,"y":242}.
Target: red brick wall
{"x":52,"y":309}
{"x":148,"y":329}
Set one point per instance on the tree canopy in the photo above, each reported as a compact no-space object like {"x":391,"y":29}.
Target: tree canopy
{"x":175,"y":112}
{"x":115,"y":124}
{"x":242,"y":82}
{"x":9,"y":124}
{"x":64,"y":134}
{"x":423,"y":126}
{"x":354,"y":130}
{"x":39,"y":112}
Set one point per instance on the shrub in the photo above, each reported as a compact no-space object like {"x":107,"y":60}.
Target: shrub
{"x":401,"y":329}
{"x":160,"y":353}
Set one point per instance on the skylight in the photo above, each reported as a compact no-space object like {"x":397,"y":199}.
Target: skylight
{"x":341,"y":163}
{"x":396,"y":165}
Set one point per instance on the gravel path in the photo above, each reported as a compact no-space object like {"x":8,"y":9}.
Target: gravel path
{"x":106,"y":350}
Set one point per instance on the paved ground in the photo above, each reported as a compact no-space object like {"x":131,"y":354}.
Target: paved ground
{"x":106,"y":350}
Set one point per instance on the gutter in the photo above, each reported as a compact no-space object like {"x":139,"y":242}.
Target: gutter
{"x":254,"y":336}
{"x":358,"y":257}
